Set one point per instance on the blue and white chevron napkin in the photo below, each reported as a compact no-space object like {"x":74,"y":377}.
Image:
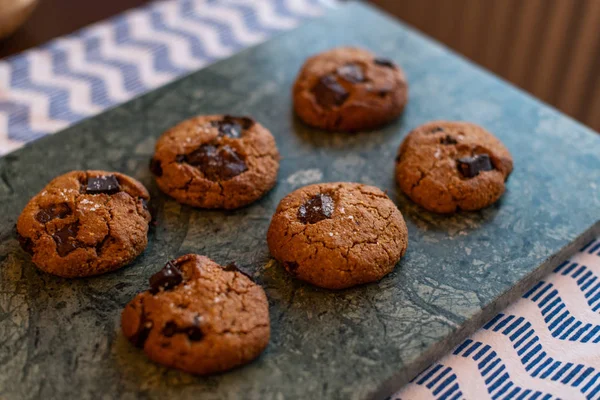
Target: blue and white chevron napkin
{"x":53,"y":86}
{"x":545,"y":346}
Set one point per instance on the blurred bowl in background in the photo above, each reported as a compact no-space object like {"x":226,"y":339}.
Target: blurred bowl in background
{"x":13,"y":13}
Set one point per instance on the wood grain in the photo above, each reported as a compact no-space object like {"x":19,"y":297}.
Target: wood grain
{"x":550,"y":48}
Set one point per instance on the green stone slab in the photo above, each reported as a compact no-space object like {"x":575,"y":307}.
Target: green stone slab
{"x":61,"y":339}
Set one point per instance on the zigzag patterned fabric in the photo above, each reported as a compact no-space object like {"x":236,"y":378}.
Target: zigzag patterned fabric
{"x":544,"y":346}
{"x":53,"y":86}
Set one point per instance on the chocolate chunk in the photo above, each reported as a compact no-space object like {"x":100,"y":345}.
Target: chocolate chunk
{"x":180,"y":158}
{"x":155,"y":167}
{"x":26,"y":243}
{"x":166,"y":279}
{"x":170,"y":329}
{"x":246,"y":122}
{"x":471,"y":166}
{"x":352,"y":73}
{"x":448,"y":140}
{"x":103,"y":184}
{"x":384,"y":62}
{"x":329,"y":92}
{"x":54,"y":211}
{"x":233,"y":126}
{"x":194,"y":333}
{"x":436,"y":129}
{"x":218,"y":163}
{"x":233,"y":267}
{"x":317,"y":208}
{"x":66,"y":239}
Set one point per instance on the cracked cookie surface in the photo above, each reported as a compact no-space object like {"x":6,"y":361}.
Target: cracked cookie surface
{"x":216,"y":161}
{"x":446,"y":166}
{"x":199,"y":317}
{"x":85,"y":223}
{"x":337,"y":235}
{"x":349,"y":89}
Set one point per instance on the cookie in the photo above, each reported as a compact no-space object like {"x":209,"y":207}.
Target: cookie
{"x":337,"y":235}
{"x":349,"y":89}
{"x":216,"y":161}
{"x":199,"y":317}
{"x":85,"y":223}
{"x":448,"y":166}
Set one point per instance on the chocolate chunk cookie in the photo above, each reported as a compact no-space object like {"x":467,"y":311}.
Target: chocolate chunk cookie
{"x":447,"y":166}
{"x":337,"y":235}
{"x":199,"y":317}
{"x":85,"y":223}
{"x":349,"y":89}
{"x":216,"y":161}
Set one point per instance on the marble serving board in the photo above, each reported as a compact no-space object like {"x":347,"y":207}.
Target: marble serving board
{"x":61,"y":338}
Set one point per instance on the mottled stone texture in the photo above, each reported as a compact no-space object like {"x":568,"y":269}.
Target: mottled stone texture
{"x":60,"y":338}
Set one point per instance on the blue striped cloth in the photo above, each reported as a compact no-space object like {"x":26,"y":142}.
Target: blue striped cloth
{"x":545,"y":346}
{"x":58,"y":84}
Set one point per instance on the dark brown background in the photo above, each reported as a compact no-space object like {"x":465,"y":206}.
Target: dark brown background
{"x":550,"y":48}
{"x":54,"y":18}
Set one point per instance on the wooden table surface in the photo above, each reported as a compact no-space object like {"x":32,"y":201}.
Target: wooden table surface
{"x":54,"y":18}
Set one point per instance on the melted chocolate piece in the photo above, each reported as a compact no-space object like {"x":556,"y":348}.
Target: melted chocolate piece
{"x":218,"y":163}
{"x":170,"y":329}
{"x":103,"y":185}
{"x":156,"y":167}
{"x":317,"y":208}
{"x":329,"y":92}
{"x":384,"y":62}
{"x":26,"y":244}
{"x":194,"y":333}
{"x":352,"y":73}
{"x":180,"y":158}
{"x":167,"y":278}
{"x":470,"y":167}
{"x":233,"y":126}
{"x":66,"y":239}
{"x":436,"y":129}
{"x":448,"y":140}
{"x":54,"y":211}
